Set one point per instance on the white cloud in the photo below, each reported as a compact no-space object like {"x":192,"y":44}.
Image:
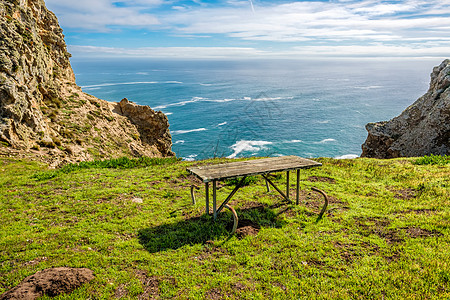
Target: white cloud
{"x":171,"y":52}
{"x":338,"y":27}
{"x":298,"y":21}
{"x":98,"y":15}
{"x":422,"y":50}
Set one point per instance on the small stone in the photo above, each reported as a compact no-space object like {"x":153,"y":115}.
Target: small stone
{"x":137,"y":200}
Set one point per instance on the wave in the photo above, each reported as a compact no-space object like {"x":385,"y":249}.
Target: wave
{"x":119,"y":83}
{"x":201,"y":99}
{"x":243,"y":145}
{"x":323,"y":122}
{"x":188,"y":131}
{"x":128,"y":83}
{"x":179,"y":142}
{"x":182,"y":103}
{"x":293,"y":141}
{"x":173,"y":81}
{"x":221,"y":124}
{"x":190,"y":157}
{"x":193,"y":100}
{"x":368,"y":87}
{"x":347,"y":156}
{"x":326,"y":141}
{"x":269,"y":98}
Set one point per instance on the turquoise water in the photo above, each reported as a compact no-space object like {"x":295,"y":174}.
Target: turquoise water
{"x":262,"y":108}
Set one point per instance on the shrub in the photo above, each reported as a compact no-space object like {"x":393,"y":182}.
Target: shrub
{"x":433,"y":160}
{"x":115,"y":163}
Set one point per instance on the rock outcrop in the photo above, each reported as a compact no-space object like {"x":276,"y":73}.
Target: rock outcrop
{"x":421,"y":129}
{"x":45,"y":115}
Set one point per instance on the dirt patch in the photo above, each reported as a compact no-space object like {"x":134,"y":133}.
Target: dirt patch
{"x":405,"y":194}
{"x":417,"y":232}
{"x":239,"y":287}
{"x":321,"y":179}
{"x":121,"y":291}
{"x":210,"y":251}
{"x":390,"y":235}
{"x":246,"y":228}
{"x":351,"y":251}
{"x":252,"y":205}
{"x":378,"y":226}
{"x":288,"y":212}
{"x":215,"y":294}
{"x":393,"y":257}
{"x":150,"y":286}
{"x":51,"y":282}
{"x":417,"y":211}
{"x":35,"y":261}
{"x":372,"y":194}
{"x":315,"y":263}
{"x":316,"y":201}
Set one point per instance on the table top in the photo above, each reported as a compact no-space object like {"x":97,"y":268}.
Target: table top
{"x":251,"y":167}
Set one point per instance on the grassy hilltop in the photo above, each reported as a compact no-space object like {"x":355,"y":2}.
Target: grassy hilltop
{"x":385,"y":234}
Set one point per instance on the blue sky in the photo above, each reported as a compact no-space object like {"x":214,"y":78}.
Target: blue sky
{"x":255,"y":28}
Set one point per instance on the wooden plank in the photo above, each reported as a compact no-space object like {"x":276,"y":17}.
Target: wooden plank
{"x":224,"y":171}
{"x":252,"y":167}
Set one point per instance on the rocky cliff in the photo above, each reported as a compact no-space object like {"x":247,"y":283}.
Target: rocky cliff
{"x":422,"y":129}
{"x":45,"y":115}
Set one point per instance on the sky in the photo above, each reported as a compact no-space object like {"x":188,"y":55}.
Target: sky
{"x":210,"y":29}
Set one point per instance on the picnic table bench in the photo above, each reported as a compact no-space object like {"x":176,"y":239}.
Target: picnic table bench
{"x":242,"y":169}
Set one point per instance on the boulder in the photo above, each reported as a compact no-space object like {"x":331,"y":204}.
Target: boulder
{"x":51,"y":282}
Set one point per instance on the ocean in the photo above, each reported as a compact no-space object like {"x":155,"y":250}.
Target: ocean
{"x":262,"y":108}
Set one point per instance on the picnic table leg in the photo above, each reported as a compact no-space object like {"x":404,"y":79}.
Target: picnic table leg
{"x":287,"y":185}
{"x":267,"y":186}
{"x":324,"y":208}
{"x":214,"y":199}
{"x":298,"y":187}
{"x":207,"y":197}
{"x":276,"y":188}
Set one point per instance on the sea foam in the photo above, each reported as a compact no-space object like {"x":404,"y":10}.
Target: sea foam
{"x":326,"y":141}
{"x":118,"y":83}
{"x":244,"y":146}
{"x":347,"y":156}
{"x":188,"y":131}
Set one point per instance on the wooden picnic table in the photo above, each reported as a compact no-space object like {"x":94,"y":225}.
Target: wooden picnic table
{"x":242,"y":169}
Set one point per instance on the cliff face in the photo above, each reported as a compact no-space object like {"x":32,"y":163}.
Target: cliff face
{"x":44,"y":114}
{"x":421,"y":129}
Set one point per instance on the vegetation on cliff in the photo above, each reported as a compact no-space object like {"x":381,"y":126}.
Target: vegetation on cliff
{"x":43,"y":113}
{"x":385,"y":234}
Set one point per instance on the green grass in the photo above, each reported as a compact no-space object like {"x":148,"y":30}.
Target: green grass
{"x":433,"y":160}
{"x":385,"y":234}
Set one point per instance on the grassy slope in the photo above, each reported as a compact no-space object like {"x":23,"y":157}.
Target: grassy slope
{"x":386,"y":234}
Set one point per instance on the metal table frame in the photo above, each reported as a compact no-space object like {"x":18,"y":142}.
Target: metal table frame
{"x":214,"y":173}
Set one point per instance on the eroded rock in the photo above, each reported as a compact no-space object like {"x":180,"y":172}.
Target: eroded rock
{"x":45,"y":115}
{"x":421,"y":129}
